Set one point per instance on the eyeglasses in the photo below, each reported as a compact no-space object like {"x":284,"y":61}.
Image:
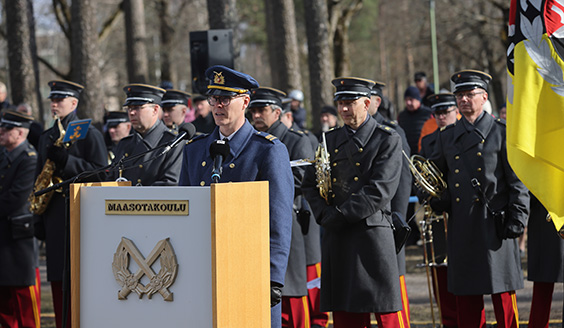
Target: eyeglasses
{"x":469,"y":95}
{"x":224,"y":101}
{"x":138,"y":107}
{"x":438,"y":113}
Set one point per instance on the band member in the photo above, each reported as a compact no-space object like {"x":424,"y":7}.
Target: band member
{"x":472,"y":156}
{"x":359,"y":263}
{"x":254,"y":156}
{"x":19,"y":276}
{"x":83,"y":155}
{"x":445,"y":113}
{"x":143,"y":105}
{"x":175,"y":107}
{"x":265,"y":109}
{"x":117,"y":127}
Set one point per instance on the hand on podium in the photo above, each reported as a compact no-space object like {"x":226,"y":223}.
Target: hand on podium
{"x":275,"y":293}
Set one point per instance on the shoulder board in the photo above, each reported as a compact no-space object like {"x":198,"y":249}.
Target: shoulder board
{"x":298,"y":132}
{"x":393,"y":124}
{"x":171,"y":131}
{"x":31,"y":153}
{"x":448,"y":126}
{"x":198,"y":137}
{"x":385,"y":128}
{"x":267,"y":136}
{"x":332,"y":129}
{"x":128,"y":136}
{"x":501,"y":121}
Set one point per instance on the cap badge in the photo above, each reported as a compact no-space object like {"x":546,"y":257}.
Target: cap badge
{"x":218,"y":78}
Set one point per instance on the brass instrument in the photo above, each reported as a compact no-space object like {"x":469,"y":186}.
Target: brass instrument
{"x":323,"y":169}
{"x":45,"y":179}
{"x":429,"y":178}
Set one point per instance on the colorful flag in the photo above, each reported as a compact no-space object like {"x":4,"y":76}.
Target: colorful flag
{"x":535,"y":100}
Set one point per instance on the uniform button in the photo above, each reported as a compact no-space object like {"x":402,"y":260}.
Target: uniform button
{"x":360,"y":150}
{"x":479,"y":153}
{"x":457,"y":185}
{"x":333,"y":195}
{"x":138,"y":180}
{"x":483,"y":140}
{"x":357,"y":164}
{"x":456,"y":171}
{"x":355,"y":179}
{"x":477,"y":200}
{"x":479,"y":169}
{"x":334,"y":179}
{"x":456,"y":157}
{"x":232,"y":165}
{"x":334,"y":164}
{"x":126,"y":154}
{"x":203,"y":183}
{"x":204,"y":163}
{"x":140,"y":166}
{"x":457,"y":200}
{"x":336,"y":151}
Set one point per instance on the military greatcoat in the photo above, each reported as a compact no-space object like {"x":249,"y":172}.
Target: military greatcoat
{"x":299,"y":147}
{"x":17,"y":257}
{"x":359,"y":263}
{"x":151,"y":169}
{"x":479,"y":262}
{"x":87,"y":154}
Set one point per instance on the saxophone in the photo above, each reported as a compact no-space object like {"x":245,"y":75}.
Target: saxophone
{"x":323,"y":169}
{"x":45,"y":179}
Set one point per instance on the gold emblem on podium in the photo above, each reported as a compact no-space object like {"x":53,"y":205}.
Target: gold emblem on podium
{"x":158,"y":282}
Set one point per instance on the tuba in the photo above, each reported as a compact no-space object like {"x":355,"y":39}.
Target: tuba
{"x":323,"y":169}
{"x":45,"y":179}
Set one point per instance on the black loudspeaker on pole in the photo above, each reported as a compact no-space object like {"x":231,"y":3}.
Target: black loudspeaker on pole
{"x":208,"y":48}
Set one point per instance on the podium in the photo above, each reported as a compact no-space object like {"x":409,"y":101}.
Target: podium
{"x":170,"y":256}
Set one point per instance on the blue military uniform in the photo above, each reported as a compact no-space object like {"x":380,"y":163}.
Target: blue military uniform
{"x":254,"y":156}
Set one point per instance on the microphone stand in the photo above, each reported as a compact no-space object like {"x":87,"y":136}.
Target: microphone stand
{"x":66,"y":194}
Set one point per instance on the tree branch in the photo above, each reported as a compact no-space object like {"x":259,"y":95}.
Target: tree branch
{"x":52,"y":68}
{"x":62,"y":15}
{"x":110,"y":22}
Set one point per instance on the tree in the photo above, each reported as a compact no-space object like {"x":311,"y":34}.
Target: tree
{"x":85,"y":57}
{"x":341,"y":13}
{"x":319,"y":57}
{"x":283,"y":44}
{"x":135,"y":35}
{"x":166,"y":37}
{"x":222,"y":14}
{"x":20,"y":56}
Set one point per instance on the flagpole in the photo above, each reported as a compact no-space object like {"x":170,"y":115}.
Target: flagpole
{"x":436,"y":79}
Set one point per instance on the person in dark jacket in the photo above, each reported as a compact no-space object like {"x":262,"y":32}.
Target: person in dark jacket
{"x":19,"y":275}
{"x":483,"y":252}
{"x":412,"y":118}
{"x":265,"y":109}
{"x":254,"y":156}
{"x":87,"y":154}
{"x":143,"y":105}
{"x":204,"y":122}
{"x":359,"y":263}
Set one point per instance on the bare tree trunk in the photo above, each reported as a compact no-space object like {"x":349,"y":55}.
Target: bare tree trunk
{"x":167,"y":34}
{"x":22,"y":75}
{"x":222,"y":14}
{"x":84,"y":59}
{"x":135,"y":35}
{"x":340,"y":17}
{"x":40,"y":112}
{"x":283,"y":44}
{"x":319,"y":58}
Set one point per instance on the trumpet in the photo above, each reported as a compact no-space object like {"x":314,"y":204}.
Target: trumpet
{"x":45,"y":179}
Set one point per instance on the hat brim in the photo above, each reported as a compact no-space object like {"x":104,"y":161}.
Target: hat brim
{"x":136,"y":103}
{"x":57,"y":96}
{"x":468,"y":88}
{"x":347,"y":97}
{"x":222,"y":93}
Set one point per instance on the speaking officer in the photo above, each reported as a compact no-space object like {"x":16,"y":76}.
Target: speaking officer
{"x":143,"y":105}
{"x":445,"y":113}
{"x":400,"y":201}
{"x":254,"y":156}
{"x":175,"y":106}
{"x":83,"y":155}
{"x":472,"y":156}
{"x":265,"y":109}
{"x":19,"y":276}
{"x":359,"y":263}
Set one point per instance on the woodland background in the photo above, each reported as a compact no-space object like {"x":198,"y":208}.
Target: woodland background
{"x":286,"y":44}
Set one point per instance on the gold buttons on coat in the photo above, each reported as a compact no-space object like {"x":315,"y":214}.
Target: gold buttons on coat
{"x":456,"y":170}
{"x":336,"y":151}
{"x":357,"y":164}
{"x":355,"y":179}
{"x":140,"y":166}
{"x":232,"y":165}
{"x":334,"y":164}
{"x":204,"y":163}
{"x":457,"y":185}
{"x":334,"y":179}
{"x":457,"y":200}
{"x":479,"y":169}
{"x":456,"y":157}
{"x":483,"y":140}
{"x":479,"y":153}
{"x":360,"y":150}
{"x":138,"y":180}
{"x":126,"y":154}
{"x":203,"y":183}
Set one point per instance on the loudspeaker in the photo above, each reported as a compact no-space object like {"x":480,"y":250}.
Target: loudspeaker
{"x":208,"y":48}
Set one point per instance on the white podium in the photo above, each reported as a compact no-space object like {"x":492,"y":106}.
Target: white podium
{"x":170,"y":256}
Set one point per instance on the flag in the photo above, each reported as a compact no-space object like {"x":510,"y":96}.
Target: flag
{"x":535,"y":100}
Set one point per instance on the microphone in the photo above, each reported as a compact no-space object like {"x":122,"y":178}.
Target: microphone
{"x":219,"y":150}
{"x":185,"y":131}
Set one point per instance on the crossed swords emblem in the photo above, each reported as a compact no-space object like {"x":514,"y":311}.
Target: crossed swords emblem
{"x":159,"y":282}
